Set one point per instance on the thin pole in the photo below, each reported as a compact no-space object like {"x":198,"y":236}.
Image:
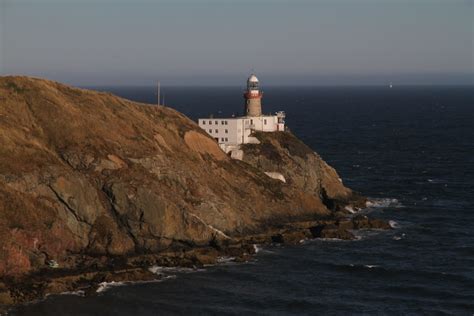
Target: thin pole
{"x":159,"y":92}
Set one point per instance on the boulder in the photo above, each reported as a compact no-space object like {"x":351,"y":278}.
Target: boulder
{"x":331,"y":231}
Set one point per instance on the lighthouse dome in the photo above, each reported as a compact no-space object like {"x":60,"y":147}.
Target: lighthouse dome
{"x":252,"y":78}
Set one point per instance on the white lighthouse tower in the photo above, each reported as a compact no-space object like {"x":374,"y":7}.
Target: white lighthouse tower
{"x":253,"y":97}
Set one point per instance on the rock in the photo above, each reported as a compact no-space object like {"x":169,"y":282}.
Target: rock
{"x":243,"y":258}
{"x":331,"y":231}
{"x":203,"y":256}
{"x":5,"y":297}
{"x":345,"y":224}
{"x":379,"y":224}
{"x":79,"y":197}
{"x":299,"y":165}
{"x":276,"y":176}
{"x":294,"y":237}
{"x":278,"y":239}
{"x":361,"y":222}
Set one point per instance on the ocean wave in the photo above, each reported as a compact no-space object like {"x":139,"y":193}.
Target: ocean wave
{"x":399,"y":237}
{"x":160,"y":270}
{"x":358,"y":266}
{"x":371,"y":266}
{"x":349,"y":209}
{"x":383,"y":202}
{"x":225,"y":259}
{"x":393,"y":224}
{"x":257,"y":248}
{"x":104,"y":286}
{"x":75,"y":293}
{"x":436,"y":181}
{"x":332,"y":239}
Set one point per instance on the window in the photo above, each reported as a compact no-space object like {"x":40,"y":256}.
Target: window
{"x":210,"y":122}
{"x":217,"y":131}
{"x":217,"y":123}
{"x":226,"y":139}
{"x":203,"y":122}
{"x":222,"y":139}
{"x":225,"y":122}
{"x":265,"y":121}
{"x":222,"y":122}
{"x":226,"y":131}
{"x":210,"y":131}
{"x":251,"y":121}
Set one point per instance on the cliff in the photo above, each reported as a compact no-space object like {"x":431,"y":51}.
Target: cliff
{"x":88,"y":175}
{"x":301,"y":168}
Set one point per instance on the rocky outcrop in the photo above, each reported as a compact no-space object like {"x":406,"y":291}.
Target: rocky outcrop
{"x":90,"y":181}
{"x":301,"y":167}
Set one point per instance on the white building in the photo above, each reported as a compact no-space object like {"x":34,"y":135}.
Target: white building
{"x":231,"y":132}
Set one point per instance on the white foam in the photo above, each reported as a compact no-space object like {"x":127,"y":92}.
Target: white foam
{"x":393,"y":224}
{"x":76,"y":293}
{"x":225,"y":259}
{"x":435,"y":181}
{"x":399,"y":237}
{"x":331,"y":239}
{"x":349,"y":209}
{"x":371,"y":266}
{"x":104,"y":286}
{"x":257,"y":248}
{"x":384,"y":202}
{"x":164,"y":270}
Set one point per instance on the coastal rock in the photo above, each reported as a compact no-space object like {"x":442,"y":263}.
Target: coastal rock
{"x":293,"y":237}
{"x":363,"y":222}
{"x":331,"y":231}
{"x":376,"y":223}
{"x":282,"y":153}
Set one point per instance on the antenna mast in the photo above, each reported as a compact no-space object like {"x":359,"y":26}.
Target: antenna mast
{"x":159,"y":92}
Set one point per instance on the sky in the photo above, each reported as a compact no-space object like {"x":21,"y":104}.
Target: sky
{"x":219,"y":42}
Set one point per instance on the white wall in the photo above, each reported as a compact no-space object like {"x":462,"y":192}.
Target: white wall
{"x":226,"y":130}
{"x":236,"y":130}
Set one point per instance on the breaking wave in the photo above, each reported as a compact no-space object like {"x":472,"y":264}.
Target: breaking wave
{"x":383,"y":202}
{"x":393,"y":224}
{"x":104,"y":286}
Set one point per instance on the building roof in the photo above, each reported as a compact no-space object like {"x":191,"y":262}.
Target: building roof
{"x":252,"y":78}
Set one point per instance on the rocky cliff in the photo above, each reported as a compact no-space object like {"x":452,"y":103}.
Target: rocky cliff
{"x":302,"y":168}
{"x":85,"y":174}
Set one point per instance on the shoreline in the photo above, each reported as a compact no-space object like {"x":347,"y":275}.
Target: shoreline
{"x":98,"y":271}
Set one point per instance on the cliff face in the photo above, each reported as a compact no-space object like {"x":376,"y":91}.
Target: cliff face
{"x":89,"y":173}
{"x":301,"y":167}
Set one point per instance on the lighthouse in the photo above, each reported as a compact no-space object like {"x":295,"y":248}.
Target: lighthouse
{"x":253,"y":97}
{"x":231,"y":132}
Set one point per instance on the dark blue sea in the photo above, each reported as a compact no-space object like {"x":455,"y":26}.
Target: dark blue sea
{"x":410,"y":149}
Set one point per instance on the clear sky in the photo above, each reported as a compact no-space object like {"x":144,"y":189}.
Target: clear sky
{"x":218,"y":42}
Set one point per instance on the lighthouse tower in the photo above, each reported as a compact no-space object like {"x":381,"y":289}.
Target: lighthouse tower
{"x":253,"y":97}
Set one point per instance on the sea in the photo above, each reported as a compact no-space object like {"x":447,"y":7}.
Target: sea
{"x":410,"y":149}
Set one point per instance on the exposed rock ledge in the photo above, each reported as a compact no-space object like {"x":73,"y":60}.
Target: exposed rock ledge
{"x":106,"y":187}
